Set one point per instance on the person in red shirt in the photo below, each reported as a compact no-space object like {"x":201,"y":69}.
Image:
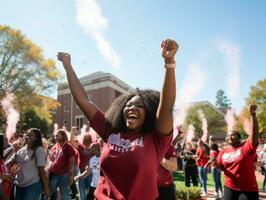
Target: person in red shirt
{"x":237,"y":163}
{"x":6,"y":179}
{"x":137,"y":131}
{"x":166,"y":186}
{"x":216,"y":173}
{"x":62,"y":166}
{"x":85,"y":155}
{"x":202,"y":155}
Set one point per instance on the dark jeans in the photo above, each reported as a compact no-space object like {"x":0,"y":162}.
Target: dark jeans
{"x":167,"y":192}
{"x":191,"y":172}
{"x":230,"y":194}
{"x":216,"y":177}
{"x":31,"y":192}
{"x":203,"y":178}
{"x":90,"y":195}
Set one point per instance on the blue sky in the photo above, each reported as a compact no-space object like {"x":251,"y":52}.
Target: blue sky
{"x":222,"y":43}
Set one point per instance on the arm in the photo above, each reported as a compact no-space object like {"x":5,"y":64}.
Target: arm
{"x":254,"y":127}
{"x":83,"y":175}
{"x":72,"y":137}
{"x":170,"y":165}
{"x":164,"y":115}
{"x":78,"y":92}
{"x":44,"y":180}
{"x":71,"y":169}
{"x":216,"y":164}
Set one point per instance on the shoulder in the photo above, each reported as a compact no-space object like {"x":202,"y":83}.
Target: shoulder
{"x":40,"y":149}
{"x":22,"y":150}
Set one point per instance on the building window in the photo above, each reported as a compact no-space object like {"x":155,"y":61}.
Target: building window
{"x":66,"y":109}
{"x":79,"y":122}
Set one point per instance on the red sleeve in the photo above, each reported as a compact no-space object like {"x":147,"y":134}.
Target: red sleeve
{"x":69,"y":150}
{"x":248,"y":148}
{"x":171,"y":152}
{"x":98,"y":123}
{"x":162,"y":143}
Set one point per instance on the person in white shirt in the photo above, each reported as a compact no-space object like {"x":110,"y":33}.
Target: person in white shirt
{"x":92,"y":168}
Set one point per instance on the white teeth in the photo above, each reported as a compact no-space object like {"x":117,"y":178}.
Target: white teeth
{"x":132,"y":116}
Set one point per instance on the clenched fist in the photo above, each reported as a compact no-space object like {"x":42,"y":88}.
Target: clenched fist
{"x":168,"y":50}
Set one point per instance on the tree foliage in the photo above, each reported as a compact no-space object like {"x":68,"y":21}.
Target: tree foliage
{"x":222,"y":102}
{"x":25,"y":72}
{"x":257,"y":95}
{"x":215,"y":119}
{"x":22,"y":65}
{"x":32,"y":119}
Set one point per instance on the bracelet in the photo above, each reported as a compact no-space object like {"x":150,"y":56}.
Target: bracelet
{"x":167,"y":66}
{"x":252,"y":114}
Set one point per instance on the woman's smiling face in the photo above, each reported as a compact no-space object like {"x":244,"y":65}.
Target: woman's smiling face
{"x":134,"y":113}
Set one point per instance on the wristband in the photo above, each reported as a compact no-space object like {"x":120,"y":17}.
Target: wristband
{"x":252,"y":113}
{"x":167,"y":66}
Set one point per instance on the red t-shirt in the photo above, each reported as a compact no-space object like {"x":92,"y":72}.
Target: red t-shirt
{"x":59,"y":155}
{"x":238,"y":166}
{"x":202,"y":158}
{"x":164,"y":177}
{"x":213,"y":154}
{"x":129,"y":163}
{"x":85,"y":156}
{"x":6,"y":185}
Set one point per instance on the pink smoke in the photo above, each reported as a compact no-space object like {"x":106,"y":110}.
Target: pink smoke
{"x":12,"y":116}
{"x":180,"y":116}
{"x":230,"y":119}
{"x":246,"y":126}
{"x":55,"y":129}
{"x":190,"y":133}
{"x":83,"y":131}
{"x":204,"y":126}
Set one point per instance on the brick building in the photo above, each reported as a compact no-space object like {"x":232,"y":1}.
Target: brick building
{"x":102,"y":88}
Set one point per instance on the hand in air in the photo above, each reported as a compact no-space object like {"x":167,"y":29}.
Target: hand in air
{"x":65,"y":58}
{"x":168,"y":50}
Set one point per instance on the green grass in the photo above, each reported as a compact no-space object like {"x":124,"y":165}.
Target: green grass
{"x":179,"y":180}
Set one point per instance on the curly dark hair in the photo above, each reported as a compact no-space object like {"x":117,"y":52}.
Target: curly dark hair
{"x":114,"y":115}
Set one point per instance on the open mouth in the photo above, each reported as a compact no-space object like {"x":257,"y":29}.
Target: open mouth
{"x":132,"y":117}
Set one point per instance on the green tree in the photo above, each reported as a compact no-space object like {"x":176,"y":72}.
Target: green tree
{"x":22,"y":65}
{"x":33,"y":120}
{"x":26,"y":73}
{"x":257,"y":95}
{"x":222,"y":102}
{"x":215,"y":119}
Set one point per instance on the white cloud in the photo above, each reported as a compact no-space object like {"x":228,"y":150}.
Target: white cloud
{"x":89,"y":17}
{"x":233,"y":58}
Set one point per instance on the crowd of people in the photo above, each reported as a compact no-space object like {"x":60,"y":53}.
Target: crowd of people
{"x":134,"y":155}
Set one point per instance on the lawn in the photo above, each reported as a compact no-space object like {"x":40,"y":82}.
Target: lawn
{"x":179,"y":180}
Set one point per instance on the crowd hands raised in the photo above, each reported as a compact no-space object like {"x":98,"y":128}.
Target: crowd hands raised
{"x":135,"y":155}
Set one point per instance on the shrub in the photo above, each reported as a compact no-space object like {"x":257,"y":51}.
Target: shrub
{"x":184,"y":193}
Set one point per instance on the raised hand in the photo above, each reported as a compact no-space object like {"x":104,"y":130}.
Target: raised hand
{"x":168,"y":50}
{"x":65,"y":58}
{"x":252,"y":109}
